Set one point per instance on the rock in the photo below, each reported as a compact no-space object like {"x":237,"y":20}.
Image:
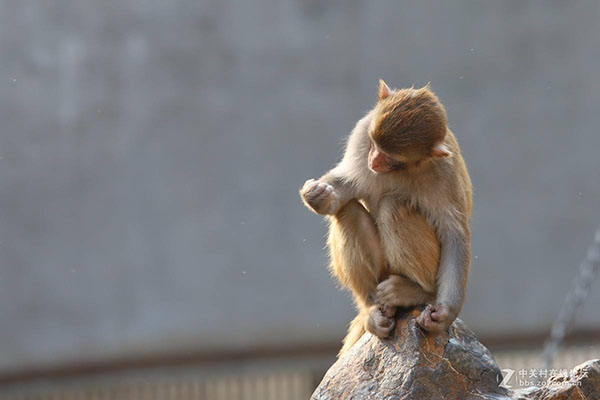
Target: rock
{"x":414,"y":365}
{"x":454,"y":365}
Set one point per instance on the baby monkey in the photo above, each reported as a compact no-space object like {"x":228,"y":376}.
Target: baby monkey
{"x":398,"y":204}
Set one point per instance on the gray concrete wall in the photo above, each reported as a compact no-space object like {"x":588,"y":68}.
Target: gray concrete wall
{"x":152,"y":152}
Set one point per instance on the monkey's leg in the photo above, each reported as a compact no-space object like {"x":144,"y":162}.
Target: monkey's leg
{"x":357,"y":258}
{"x":358,"y":261}
{"x":399,"y":291}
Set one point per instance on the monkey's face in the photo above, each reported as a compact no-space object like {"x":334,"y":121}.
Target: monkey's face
{"x":380,"y":162}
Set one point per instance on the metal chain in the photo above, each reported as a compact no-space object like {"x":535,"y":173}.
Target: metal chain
{"x":580,"y":289}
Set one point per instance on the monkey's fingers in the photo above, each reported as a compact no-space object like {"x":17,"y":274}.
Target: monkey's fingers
{"x":313,"y":189}
{"x":383,"y":321}
{"x":313,"y":195}
{"x":320,"y":196}
{"x":307,"y":184}
{"x":424,"y":319}
{"x":388,"y":311}
{"x":323,"y":200}
{"x":379,"y":324}
{"x":318,"y":191}
{"x":427,"y":322}
{"x":440,"y":313}
{"x":381,"y":328}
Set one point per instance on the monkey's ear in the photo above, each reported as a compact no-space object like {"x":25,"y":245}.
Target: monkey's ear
{"x":440,"y":151}
{"x":384,"y":90}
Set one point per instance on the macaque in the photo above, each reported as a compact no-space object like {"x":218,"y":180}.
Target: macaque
{"x":398,"y":204}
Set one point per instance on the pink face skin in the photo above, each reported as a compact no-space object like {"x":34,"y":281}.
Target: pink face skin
{"x":381,"y":163}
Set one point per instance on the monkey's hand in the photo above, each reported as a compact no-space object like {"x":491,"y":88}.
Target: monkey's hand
{"x":436,"y":318}
{"x":320,"y":197}
{"x":382,"y":320}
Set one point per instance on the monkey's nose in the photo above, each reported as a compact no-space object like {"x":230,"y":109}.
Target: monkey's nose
{"x":378,"y":166}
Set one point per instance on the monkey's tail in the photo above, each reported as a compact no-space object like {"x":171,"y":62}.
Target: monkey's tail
{"x":355,"y":332}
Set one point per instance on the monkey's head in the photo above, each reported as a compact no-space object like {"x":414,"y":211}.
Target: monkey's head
{"x":408,"y":129}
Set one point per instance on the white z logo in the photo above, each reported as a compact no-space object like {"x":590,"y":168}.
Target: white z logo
{"x":508,"y":373}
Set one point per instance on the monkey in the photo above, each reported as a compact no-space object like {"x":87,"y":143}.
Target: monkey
{"x":398,"y":206}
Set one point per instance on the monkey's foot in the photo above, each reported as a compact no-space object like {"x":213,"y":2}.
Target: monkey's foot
{"x":382,"y":320}
{"x":435,"y":319}
{"x":400,"y":292}
{"x":320,"y":197}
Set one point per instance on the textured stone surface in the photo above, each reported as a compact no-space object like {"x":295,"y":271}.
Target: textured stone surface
{"x":454,"y":365}
{"x":414,"y":365}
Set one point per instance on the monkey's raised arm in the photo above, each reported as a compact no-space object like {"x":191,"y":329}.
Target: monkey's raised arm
{"x":333,"y":190}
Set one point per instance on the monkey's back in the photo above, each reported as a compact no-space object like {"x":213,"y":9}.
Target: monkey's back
{"x":410,"y":244}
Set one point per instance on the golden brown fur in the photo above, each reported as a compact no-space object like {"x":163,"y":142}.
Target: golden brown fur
{"x":399,"y":237}
{"x":405,"y":245}
{"x":408,"y":119}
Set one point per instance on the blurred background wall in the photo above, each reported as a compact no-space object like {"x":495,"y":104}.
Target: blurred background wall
{"x":152,"y":152}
